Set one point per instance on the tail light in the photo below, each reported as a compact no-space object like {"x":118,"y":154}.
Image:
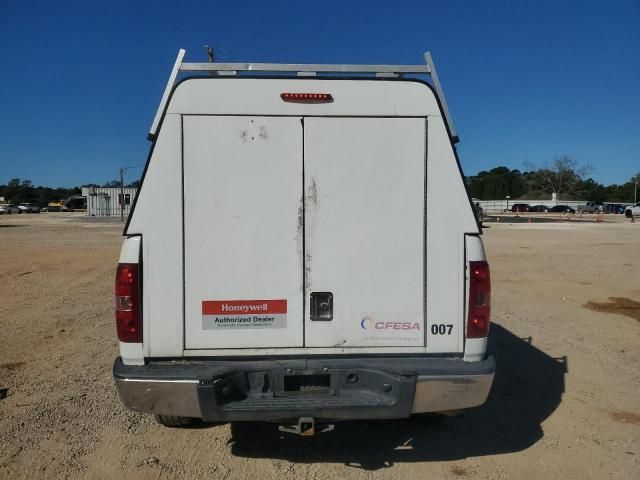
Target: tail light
{"x":127,"y":296}
{"x":479,"y":300}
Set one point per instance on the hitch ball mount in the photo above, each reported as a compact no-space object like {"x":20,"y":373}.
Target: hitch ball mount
{"x":306,"y":427}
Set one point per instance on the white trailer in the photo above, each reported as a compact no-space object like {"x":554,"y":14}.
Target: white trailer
{"x":305,"y":275}
{"x":109,"y":201}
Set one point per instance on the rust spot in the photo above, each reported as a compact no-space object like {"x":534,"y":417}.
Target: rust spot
{"x":300,"y":217}
{"x":300,"y":236}
{"x":243,"y":135}
{"x":626,"y":417}
{"x":312,"y":194}
{"x":11,"y":366}
{"x":618,"y":305}
{"x":307,"y":271}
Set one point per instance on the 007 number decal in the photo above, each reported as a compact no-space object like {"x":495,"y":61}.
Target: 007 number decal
{"x":441,"y":329}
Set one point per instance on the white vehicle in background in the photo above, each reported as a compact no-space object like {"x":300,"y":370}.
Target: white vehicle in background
{"x":8,"y":208}
{"x":590,"y":207}
{"x":309,"y":273}
{"x":632,"y":211}
{"x":28,"y":208}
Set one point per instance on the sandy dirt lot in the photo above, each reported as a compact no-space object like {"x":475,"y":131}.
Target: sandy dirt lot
{"x":565,"y":403}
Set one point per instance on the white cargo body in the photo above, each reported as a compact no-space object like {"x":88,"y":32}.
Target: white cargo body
{"x":323,"y":261}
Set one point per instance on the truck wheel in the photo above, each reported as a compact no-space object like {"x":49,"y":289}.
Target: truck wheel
{"x":174,"y":422}
{"x":628,"y":214}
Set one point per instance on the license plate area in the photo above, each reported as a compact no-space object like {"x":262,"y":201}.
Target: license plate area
{"x":310,"y":384}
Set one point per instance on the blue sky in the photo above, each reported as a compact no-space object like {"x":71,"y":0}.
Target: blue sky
{"x":525,"y":81}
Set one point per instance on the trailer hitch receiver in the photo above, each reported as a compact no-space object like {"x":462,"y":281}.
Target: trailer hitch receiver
{"x":306,"y":427}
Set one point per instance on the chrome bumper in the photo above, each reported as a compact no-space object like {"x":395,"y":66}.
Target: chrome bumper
{"x":160,"y":397}
{"x":442,"y":394}
{"x":419,"y":385}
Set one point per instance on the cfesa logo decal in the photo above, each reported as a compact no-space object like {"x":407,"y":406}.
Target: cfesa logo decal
{"x":367,"y":324}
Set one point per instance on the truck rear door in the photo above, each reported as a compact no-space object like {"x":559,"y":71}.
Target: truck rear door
{"x":364,"y":231}
{"x":243,"y":239}
{"x":304,"y":232}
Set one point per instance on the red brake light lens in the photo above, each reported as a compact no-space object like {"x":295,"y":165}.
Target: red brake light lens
{"x":307,"y":97}
{"x":479,"y":300}
{"x":127,"y":303}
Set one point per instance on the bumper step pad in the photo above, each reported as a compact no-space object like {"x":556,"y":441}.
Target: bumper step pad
{"x":348,"y":393}
{"x":302,"y":402}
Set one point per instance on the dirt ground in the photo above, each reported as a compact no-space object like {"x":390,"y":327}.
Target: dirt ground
{"x":565,"y":403}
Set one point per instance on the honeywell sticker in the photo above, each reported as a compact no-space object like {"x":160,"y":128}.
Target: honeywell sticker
{"x":243,"y":314}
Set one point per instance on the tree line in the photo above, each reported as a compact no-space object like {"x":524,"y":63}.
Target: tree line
{"x":564,"y":177}
{"x":23,"y":191}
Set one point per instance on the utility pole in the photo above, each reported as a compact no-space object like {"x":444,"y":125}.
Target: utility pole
{"x":210,"y":57}
{"x":123,"y":200}
{"x":122,"y":194}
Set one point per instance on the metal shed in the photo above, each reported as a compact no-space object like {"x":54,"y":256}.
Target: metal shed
{"x":107,"y":201}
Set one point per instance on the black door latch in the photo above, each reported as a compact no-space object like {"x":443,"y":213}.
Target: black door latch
{"x":321,"y":306}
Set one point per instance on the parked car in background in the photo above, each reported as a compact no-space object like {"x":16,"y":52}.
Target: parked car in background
{"x":562,"y":208}
{"x":590,"y":207}
{"x":8,"y":208}
{"x":478,"y":210}
{"x":520,"y":207}
{"x":614,"y":208}
{"x":632,"y":211}
{"x":57,"y":207}
{"x":28,"y":208}
{"x":539,"y":208}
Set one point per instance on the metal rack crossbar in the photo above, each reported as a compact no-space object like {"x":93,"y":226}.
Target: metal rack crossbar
{"x":303,"y":70}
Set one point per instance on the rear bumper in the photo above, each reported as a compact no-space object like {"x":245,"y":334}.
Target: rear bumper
{"x":325,"y":388}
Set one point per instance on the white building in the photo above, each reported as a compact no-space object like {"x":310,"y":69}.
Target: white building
{"x":107,"y":201}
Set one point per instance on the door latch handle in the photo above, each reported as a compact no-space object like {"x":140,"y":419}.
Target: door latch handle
{"x":321,"y":306}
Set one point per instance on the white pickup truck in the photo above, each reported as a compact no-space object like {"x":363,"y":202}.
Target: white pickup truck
{"x":591,"y":207}
{"x":288,"y":258}
{"x":632,"y":211}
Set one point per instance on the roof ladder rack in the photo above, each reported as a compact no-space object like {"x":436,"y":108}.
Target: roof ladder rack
{"x":306,"y":70}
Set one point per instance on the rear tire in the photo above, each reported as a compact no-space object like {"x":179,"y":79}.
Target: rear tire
{"x":173,"y":421}
{"x":628,"y":213}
